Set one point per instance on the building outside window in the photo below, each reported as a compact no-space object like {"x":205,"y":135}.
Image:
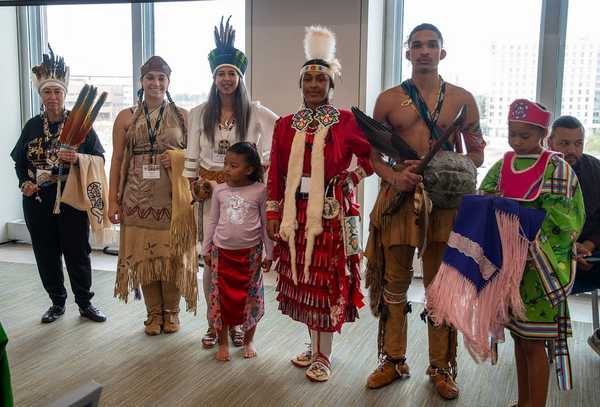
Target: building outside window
{"x":96,"y":55}
{"x":581,"y":75}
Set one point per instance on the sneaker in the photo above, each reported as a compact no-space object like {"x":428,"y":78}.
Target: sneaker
{"x":594,"y":341}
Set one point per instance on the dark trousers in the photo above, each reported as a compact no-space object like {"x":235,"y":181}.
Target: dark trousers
{"x":65,"y":234}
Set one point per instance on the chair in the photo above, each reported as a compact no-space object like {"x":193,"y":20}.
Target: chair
{"x":595,"y":322}
{"x":87,"y":395}
{"x":581,"y":287}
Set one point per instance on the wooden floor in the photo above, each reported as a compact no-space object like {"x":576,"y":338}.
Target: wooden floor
{"x":136,"y":370}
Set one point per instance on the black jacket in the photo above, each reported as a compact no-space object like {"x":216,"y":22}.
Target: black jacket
{"x":587,"y":169}
{"x":31,"y":149}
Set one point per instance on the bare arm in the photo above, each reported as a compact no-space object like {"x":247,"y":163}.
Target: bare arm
{"x":380,"y":167}
{"x":472,"y":133}
{"x":380,"y":113}
{"x":405,"y":180}
{"x":120,"y":126}
{"x":213,"y":220}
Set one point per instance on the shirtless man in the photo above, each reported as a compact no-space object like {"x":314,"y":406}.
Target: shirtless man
{"x":392,"y":244}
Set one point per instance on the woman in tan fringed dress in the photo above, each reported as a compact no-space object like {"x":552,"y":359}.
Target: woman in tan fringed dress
{"x":151,"y":199}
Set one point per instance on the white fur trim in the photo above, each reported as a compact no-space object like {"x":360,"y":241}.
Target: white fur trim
{"x":287,"y":229}
{"x":42,"y":83}
{"x":316,"y":196}
{"x":230,"y":66}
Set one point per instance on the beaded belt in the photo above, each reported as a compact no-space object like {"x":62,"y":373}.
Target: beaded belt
{"x":145,"y":152}
{"x":53,"y":179}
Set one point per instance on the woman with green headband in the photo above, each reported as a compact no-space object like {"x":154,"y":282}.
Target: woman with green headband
{"x":229,"y":116}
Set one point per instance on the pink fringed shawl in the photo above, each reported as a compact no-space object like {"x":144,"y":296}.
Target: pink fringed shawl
{"x":477,"y":286}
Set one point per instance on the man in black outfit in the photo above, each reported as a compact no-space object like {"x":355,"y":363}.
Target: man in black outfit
{"x":38,"y":157}
{"x":568,"y":136}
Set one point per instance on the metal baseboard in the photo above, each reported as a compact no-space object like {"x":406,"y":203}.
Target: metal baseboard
{"x":17,"y":230}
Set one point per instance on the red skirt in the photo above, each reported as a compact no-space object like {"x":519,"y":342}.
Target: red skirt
{"x":331,"y":295}
{"x":236,"y":293}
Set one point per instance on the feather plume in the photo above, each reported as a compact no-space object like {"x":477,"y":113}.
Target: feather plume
{"x":78,"y":125}
{"x":382,"y":138}
{"x":77,"y":135}
{"x":319,"y":43}
{"x":89,"y":121}
{"x":82,"y":116}
{"x":224,"y":35}
{"x":73,"y":116}
{"x":52,"y":67}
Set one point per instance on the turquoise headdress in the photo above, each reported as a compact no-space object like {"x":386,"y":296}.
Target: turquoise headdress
{"x":225,"y":54}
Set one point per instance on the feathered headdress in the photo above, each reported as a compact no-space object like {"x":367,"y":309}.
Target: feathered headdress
{"x":225,"y":54}
{"x":51,"y":72}
{"x":319,"y":50}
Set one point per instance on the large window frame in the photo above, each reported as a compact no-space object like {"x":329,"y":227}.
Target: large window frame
{"x":33,"y":38}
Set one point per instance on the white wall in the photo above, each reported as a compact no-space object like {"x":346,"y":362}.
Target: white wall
{"x":278,"y":54}
{"x":10,"y":119}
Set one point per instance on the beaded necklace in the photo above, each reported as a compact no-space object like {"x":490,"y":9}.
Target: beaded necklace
{"x":52,"y":139}
{"x":46,"y":126}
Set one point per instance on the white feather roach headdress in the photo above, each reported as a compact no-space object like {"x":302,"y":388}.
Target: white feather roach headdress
{"x":319,"y":47}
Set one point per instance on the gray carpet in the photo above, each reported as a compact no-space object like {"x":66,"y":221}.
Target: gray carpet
{"x":174,"y":370}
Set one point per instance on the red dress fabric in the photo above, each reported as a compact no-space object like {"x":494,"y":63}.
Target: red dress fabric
{"x":331,"y":295}
{"x":236,"y":292}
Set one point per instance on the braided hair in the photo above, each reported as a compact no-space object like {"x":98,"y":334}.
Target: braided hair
{"x":179,"y":118}
{"x":140,"y":108}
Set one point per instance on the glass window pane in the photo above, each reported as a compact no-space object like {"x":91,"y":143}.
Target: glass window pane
{"x":581,"y":75}
{"x":184,"y":36}
{"x":492,"y":51}
{"x":96,"y":43}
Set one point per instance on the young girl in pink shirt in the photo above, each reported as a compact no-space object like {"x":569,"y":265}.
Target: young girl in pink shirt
{"x":233,"y":246}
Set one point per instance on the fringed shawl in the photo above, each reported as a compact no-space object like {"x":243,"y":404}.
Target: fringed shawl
{"x":477,"y":287}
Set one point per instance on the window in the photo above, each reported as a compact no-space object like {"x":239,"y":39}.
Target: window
{"x":477,"y":50}
{"x":95,"y":41}
{"x":582,"y":38}
{"x":186,"y":44}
